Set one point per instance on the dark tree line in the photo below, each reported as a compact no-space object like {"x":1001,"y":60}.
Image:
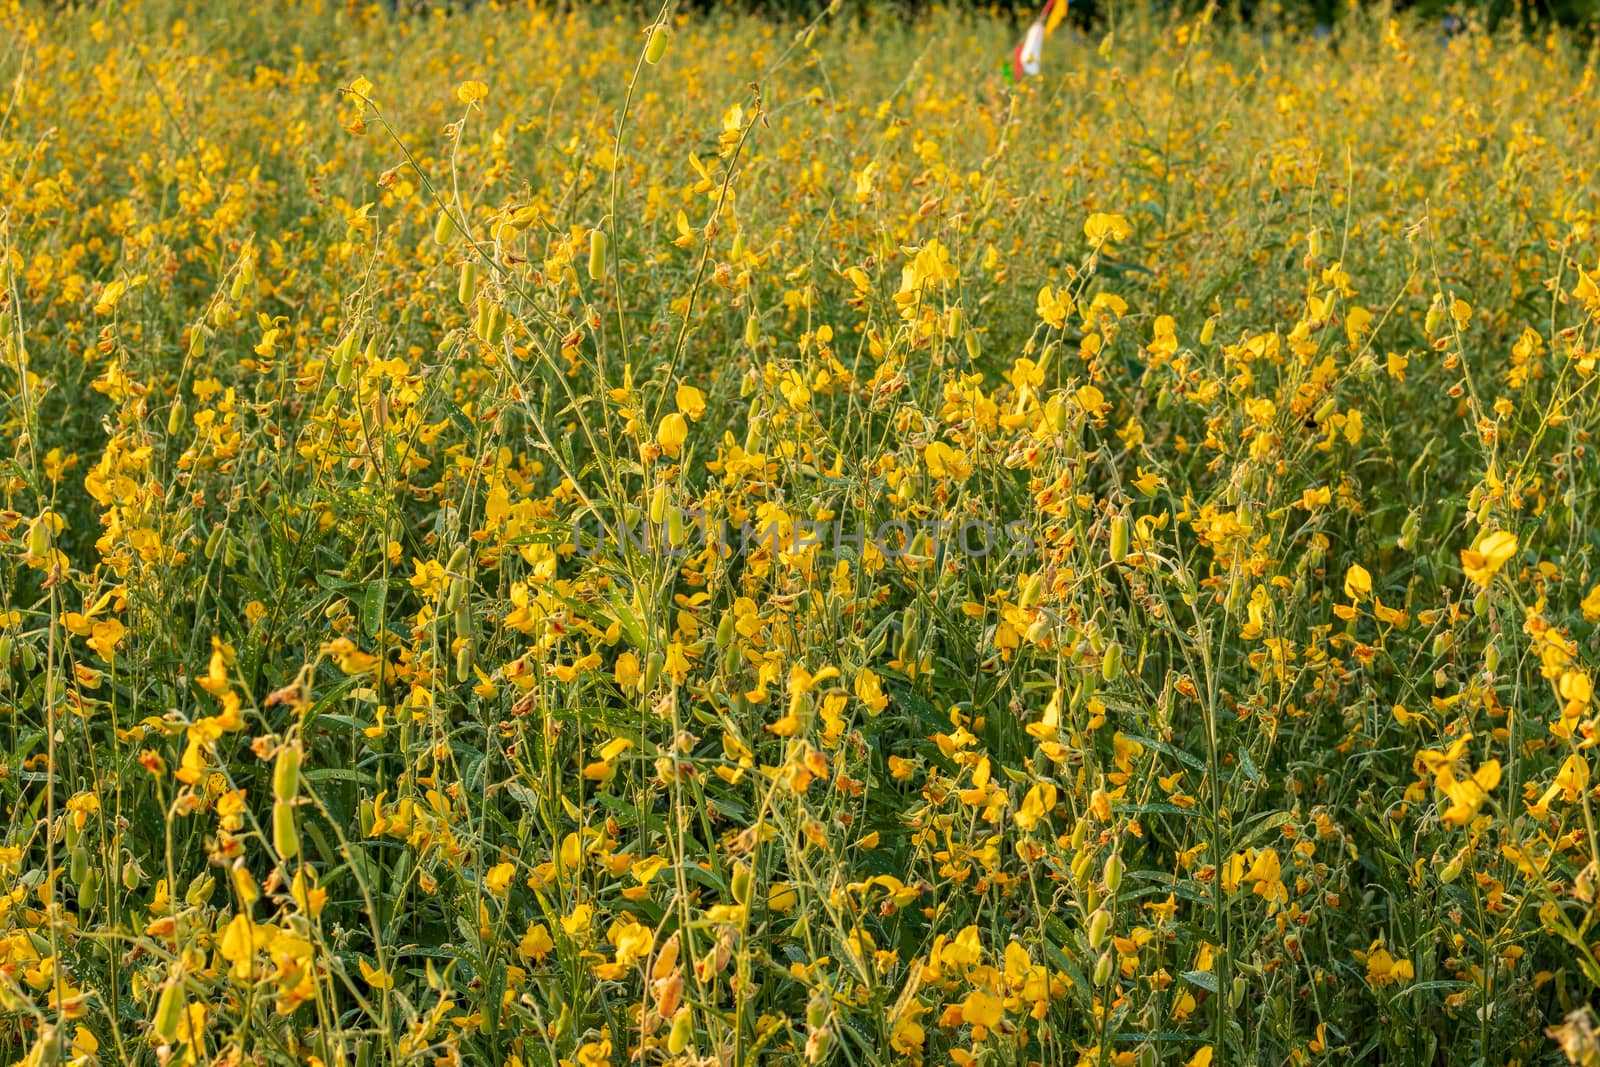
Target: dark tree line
{"x":1090,"y":13}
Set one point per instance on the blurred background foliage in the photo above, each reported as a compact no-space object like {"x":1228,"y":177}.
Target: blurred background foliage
{"x":1306,"y":15}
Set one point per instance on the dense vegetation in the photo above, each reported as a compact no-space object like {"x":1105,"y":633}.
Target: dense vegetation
{"x":552,"y":537}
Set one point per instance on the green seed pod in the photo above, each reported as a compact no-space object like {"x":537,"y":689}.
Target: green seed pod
{"x":79,"y":865}
{"x":30,"y":658}
{"x":1209,"y":330}
{"x":286,"y":774}
{"x":39,"y":537}
{"x":214,"y":541}
{"x":597,"y":255}
{"x":7,"y":646}
{"x":682,"y":1031}
{"x":1443,"y":642}
{"x":468,"y":288}
{"x":497,"y":324}
{"x":1099,"y":926}
{"x":1480,"y":605}
{"x":1030,"y":592}
{"x":817,"y":1009}
{"x":658,"y":505}
{"x":1452,"y":870}
{"x":461,"y":616}
{"x":675,"y":529}
{"x":906,"y":650}
{"x":200,"y":890}
{"x":1408,"y":531}
{"x":346,"y":348}
{"x":169,"y":1011}
{"x":132,"y":874}
{"x":1111,"y":663}
{"x":285,"y":835}
{"x":1434,"y":319}
{"x":1491,"y":658}
{"x":1080,"y":869}
{"x":175,"y":417}
{"x":457,"y":564}
{"x":345,"y":373}
{"x":1102,"y":968}
{"x":652,"y":670}
{"x":737,"y":253}
{"x":1119,"y":538}
{"x":464,"y":656}
{"x":88,"y":891}
{"x":725,"y":629}
{"x":957,"y":321}
{"x":1091,"y":893}
{"x":740,"y":883}
{"x":236,"y":291}
{"x":974,"y":349}
{"x":657,"y":45}
{"x":1079,"y":832}
{"x":1240,"y":987}
{"x":1236,"y":586}
{"x":367,"y":813}
{"x":452,"y":594}
{"x":1325,"y":411}
{"x":444,"y":229}
{"x":1114,"y":872}
{"x":752,"y":331}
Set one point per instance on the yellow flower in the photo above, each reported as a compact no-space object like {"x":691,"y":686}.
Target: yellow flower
{"x":1466,"y":790}
{"x":470,"y":92}
{"x":648,"y":868}
{"x":576,"y":924}
{"x":1036,"y":805}
{"x":672,"y":433}
{"x":869,"y":690}
{"x":1383,"y":969}
{"x":536,"y":943}
{"x":982,"y":1010}
{"x":1487,"y":555}
{"x":498,"y":878}
{"x":375,"y":978}
{"x":1101,"y":228}
{"x":1357,"y":582}
{"x":691,"y":401}
{"x":1591,"y":605}
{"x":633,"y":941}
{"x":1587,"y":291}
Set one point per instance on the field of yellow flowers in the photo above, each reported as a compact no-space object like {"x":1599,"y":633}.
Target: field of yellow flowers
{"x":583,"y":537}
